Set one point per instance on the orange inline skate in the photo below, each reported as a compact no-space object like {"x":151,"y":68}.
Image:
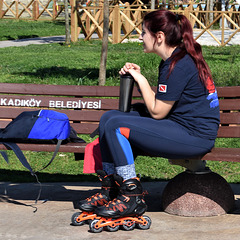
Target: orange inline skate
{"x":108,"y":192}
{"x":126,"y":210}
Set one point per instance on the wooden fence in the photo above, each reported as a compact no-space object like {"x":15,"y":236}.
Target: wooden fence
{"x":125,"y":21}
{"x":30,"y":9}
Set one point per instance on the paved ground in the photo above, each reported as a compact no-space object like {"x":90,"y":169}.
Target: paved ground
{"x":52,"y":220}
{"x":205,"y":39}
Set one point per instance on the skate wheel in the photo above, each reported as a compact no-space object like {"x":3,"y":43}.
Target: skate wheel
{"x":112,"y":228}
{"x":128,"y":225}
{"x":147,"y":225}
{"x":75,"y":220}
{"x":93,"y":227}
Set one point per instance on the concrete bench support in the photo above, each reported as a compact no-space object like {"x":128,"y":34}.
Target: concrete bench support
{"x":198,"y":194}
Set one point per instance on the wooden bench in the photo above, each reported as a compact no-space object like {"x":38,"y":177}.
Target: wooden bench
{"x":84,"y":105}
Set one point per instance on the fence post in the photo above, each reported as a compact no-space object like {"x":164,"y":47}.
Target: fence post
{"x":17,"y":12}
{"x":116,"y":29}
{"x":88,"y":24}
{"x":223,"y":20}
{"x":187,"y":13}
{"x":54,"y":9}
{"x":128,"y":14}
{"x":1,"y":8}
{"x":74,"y":22}
{"x":35,"y":10}
{"x":101,"y":17}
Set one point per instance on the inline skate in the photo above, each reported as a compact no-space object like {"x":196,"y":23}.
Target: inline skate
{"x":126,"y":210}
{"x":108,"y":192}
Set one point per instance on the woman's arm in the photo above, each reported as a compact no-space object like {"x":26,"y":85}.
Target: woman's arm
{"x":157,"y":108}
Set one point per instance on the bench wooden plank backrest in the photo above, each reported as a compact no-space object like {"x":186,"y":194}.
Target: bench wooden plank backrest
{"x":86,"y":104}
{"x":82,"y":104}
{"x":229,"y":102}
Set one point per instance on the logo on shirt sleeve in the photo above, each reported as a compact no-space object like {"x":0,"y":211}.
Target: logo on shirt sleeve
{"x":162,"y":88}
{"x":212,"y":97}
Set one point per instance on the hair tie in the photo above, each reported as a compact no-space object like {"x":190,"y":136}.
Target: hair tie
{"x":177,"y":17}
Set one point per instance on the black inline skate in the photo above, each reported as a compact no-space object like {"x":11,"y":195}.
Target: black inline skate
{"x":126,"y":210}
{"x":108,"y":192}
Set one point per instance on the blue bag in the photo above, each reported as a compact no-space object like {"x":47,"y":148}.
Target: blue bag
{"x":43,"y":126}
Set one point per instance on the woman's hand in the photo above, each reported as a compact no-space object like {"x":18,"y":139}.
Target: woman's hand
{"x":125,"y":69}
{"x":158,"y":109}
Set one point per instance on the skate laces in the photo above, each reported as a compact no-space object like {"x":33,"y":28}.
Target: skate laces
{"x":98,"y":195}
{"x":95,"y":197}
{"x":117,"y":201}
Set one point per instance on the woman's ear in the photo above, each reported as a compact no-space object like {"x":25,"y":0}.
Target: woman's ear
{"x":160,"y":37}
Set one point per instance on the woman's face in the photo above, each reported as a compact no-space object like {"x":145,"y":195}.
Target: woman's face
{"x":148,"y":40}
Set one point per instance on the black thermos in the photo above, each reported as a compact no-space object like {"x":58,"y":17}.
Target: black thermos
{"x":126,"y":89}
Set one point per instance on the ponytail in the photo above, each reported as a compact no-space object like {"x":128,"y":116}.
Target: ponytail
{"x":178,"y":33}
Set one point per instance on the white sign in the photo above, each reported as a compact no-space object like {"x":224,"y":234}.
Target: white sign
{"x":75,"y":104}
{"x":52,"y":103}
{"x":20,"y":102}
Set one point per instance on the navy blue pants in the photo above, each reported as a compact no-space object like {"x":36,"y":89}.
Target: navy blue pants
{"x":121,"y":132}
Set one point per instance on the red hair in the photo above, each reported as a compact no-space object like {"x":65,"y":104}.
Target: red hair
{"x":178,"y":33}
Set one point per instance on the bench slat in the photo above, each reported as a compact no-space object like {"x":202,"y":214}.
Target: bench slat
{"x":229,"y":104}
{"x":73,"y":115}
{"x":63,"y":90}
{"x":88,"y":128}
{"x":70,"y":147}
{"x":217,"y":154}
{"x":58,"y":102}
{"x":59,"y":90}
{"x":233,"y":91}
{"x":230,"y":118}
{"x":229,"y":132}
{"x":83,"y":128}
{"x":223,"y":154}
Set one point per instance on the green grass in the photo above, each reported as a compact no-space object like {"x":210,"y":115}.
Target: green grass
{"x":79,"y":65}
{"x":224,"y":63}
{"x":20,"y":29}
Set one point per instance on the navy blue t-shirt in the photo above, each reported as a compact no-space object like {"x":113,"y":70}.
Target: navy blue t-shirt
{"x":196,"y":108}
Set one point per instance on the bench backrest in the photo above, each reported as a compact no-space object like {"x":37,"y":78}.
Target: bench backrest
{"x":82,"y":104}
{"x":229,"y":101}
{"x":86,"y":104}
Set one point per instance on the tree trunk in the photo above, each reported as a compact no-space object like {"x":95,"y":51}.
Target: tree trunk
{"x":152,"y":4}
{"x":103,"y":62}
{"x":67,"y":29}
{"x":211,"y":9}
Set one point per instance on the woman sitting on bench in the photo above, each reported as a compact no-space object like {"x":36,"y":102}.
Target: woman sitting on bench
{"x":183,"y":115}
